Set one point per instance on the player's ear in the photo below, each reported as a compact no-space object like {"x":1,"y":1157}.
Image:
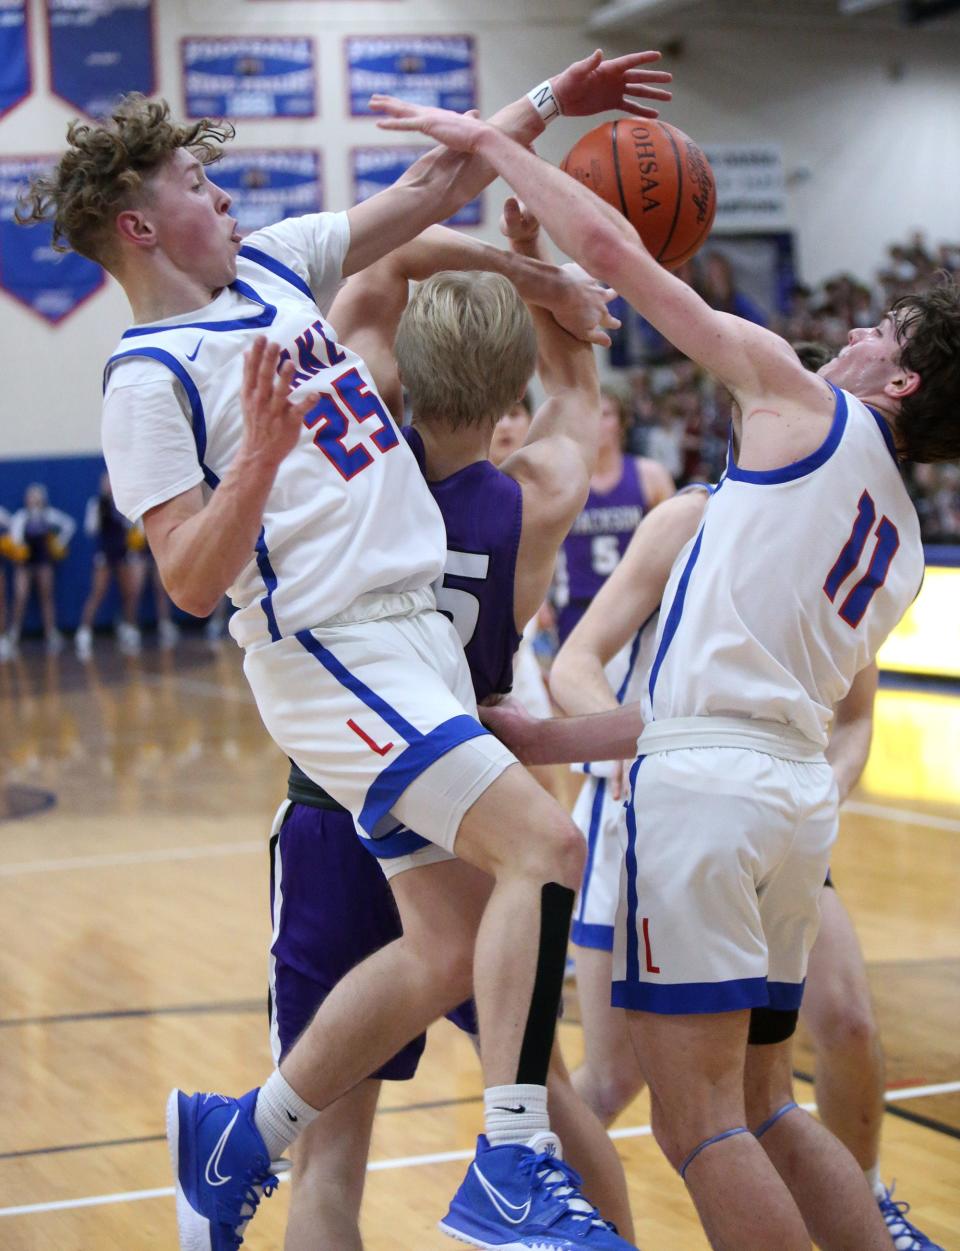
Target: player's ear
{"x":133,"y":227}
{"x":903,"y":383}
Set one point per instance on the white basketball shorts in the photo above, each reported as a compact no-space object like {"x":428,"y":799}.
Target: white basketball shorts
{"x":603,"y":822}
{"x":380,"y":713}
{"x":727,"y":851}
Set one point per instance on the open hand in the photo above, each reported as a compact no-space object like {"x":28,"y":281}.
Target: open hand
{"x":594,"y":85}
{"x":460,"y":131}
{"x":581,"y":308}
{"x":272,"y":422}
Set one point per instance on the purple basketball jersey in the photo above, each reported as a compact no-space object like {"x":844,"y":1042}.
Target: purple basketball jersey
{"x":595,"y":545}
{"x":482,"y":510}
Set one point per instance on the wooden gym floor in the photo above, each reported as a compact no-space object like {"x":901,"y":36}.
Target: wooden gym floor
{"x":135,"y":800}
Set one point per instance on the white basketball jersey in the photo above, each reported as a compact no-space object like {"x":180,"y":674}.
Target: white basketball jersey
{"x":790,"y":586}
{"x":349,"y":512}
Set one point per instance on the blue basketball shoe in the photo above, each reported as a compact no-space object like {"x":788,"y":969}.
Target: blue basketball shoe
{"x":523,"y":1197}
{"x":220,"y":1165}
{"x":906,"y":1236}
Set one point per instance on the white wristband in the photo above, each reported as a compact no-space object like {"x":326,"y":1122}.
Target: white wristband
{"x":544,"y":101}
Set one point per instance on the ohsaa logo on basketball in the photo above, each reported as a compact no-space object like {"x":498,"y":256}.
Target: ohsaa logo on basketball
{"x":657,"y":177}
{"x":645,"y":151}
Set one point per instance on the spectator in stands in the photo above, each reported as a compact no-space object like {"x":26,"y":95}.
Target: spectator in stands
{"x":720,"y":291}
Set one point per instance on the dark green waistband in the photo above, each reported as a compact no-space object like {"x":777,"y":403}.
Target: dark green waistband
{"x":301,"y":790}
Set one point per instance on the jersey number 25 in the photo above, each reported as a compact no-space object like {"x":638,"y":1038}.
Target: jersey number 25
{"x":338,"y":415}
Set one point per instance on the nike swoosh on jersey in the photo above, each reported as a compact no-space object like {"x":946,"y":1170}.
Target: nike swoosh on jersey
{"x":213,"y":1164}
{"x":192,"y":356}
{"x":501,"y":1203}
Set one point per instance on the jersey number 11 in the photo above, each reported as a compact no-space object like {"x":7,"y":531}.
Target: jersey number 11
{"x":888,"y":540}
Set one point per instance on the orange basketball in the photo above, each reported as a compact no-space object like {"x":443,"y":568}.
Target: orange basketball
{"x":656,"y":176}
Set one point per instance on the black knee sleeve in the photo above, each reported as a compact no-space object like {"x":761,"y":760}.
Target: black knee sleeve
{"x":767,"y":1026}
{"x":556,"y":910}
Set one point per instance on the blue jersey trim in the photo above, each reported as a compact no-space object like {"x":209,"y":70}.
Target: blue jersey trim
{"x":374,"y":702}
{"x":593,"y":837}
{"x":785,"y":996}
{"x":270,"y":582}
{"x":401,"y":841}
{"x":257,"y":321}
{"x":886,"y":432}
{"x":414,"y":760}
{"x":278,"y":268}
{"x":193,"y":396}
{"x":798,"y":468}
{"x":596,"y":937}
{"x":633,"y":941}
{"x":683,"y":998}
{"x":632,"y":661}
{"x":676,"y":611}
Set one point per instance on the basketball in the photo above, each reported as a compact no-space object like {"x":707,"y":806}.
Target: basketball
{"x":656,"y":176}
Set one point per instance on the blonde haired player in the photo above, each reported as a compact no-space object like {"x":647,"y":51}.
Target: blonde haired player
{"x":808,"y":555}
{"x":314,"y":514}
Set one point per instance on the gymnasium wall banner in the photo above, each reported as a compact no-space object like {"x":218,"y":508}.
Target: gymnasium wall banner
{"x":100,"y":49}
{"x":751,"y":186}
{"x":437,"y":70}
{"x":51,"y":284}
{"x":372,"y":169}
{"x":249,"y":77}
{"x":268,"y":185}
{"x":14,"y":54}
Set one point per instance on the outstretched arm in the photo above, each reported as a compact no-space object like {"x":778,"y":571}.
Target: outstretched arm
{"x":437,"y":185}
{"x":554,"y":465}
{"x":564,"y":740}
{"x":626,"y":600}
{"x":367,"y":312}
{"x":751,"y":361}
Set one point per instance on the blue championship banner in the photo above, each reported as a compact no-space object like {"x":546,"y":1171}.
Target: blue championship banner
{"x":249,"y":77}
{"x":437,"y":70}
{"x":51,"y":284}
{"x":14,"y":54}
{"x":100,"y":49}
{"x":267,"y":186}
{"x":372,"y":169}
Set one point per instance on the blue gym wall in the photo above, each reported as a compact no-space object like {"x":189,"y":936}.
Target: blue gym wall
{"x":70,"y":481}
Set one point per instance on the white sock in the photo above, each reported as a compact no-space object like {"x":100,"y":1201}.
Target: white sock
{"x":514,"y":1113}
{"x":873,"y":1180}
{"x":280,"y":1115}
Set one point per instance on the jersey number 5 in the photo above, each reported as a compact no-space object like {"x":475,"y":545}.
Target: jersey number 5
{"x":334,"y":418}
{"x":862,"y":592}
{"x":462,"y":607}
